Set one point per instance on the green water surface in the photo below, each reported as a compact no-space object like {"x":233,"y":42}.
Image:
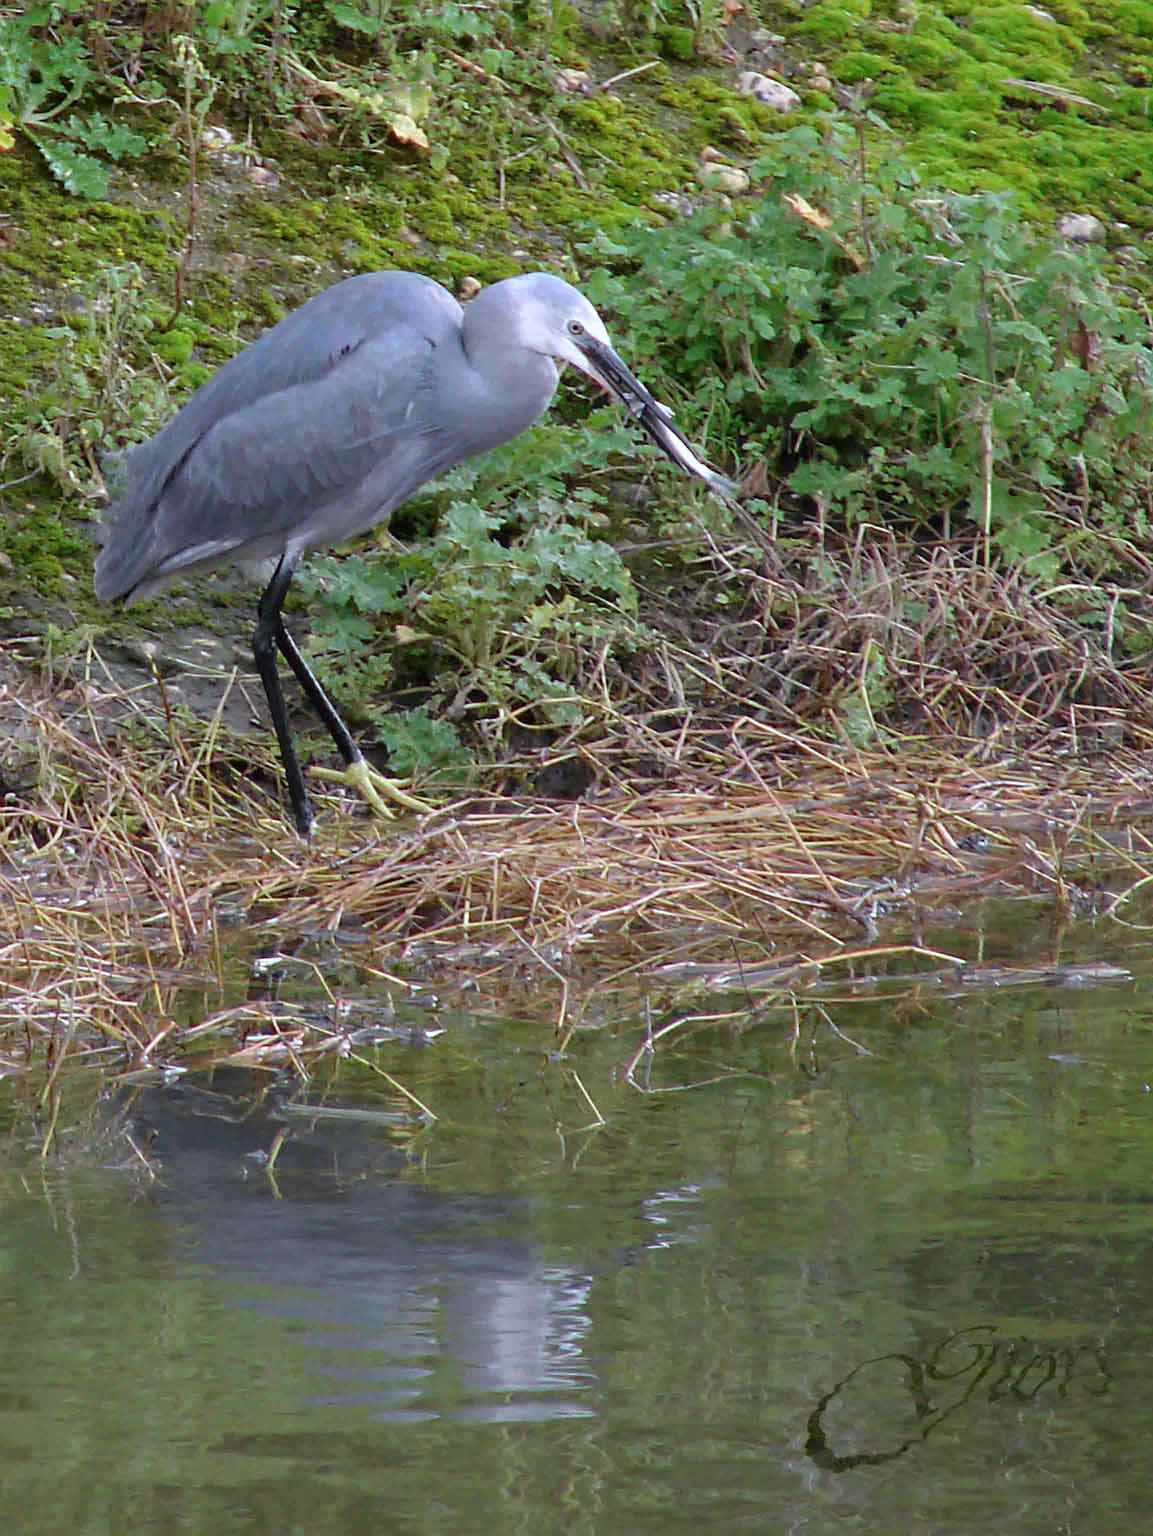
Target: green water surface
{"x":908,"y":1291}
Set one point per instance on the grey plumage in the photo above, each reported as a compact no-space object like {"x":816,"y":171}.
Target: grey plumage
{"x":334,"y":417}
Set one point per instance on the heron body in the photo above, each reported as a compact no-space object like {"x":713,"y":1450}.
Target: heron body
{"x":324,"y":425}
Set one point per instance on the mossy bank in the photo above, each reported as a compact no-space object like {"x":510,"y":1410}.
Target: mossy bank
{"x":242,"y":165}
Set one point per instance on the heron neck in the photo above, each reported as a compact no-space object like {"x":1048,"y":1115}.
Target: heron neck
{"x":498,"y":389}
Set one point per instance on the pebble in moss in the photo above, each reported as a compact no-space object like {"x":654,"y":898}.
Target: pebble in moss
{"x":716,"y":176}
{"x":1081,"y":228}
{"x":262,"y":178}
{"x":770,"y":93}
{"x":675,"y":202}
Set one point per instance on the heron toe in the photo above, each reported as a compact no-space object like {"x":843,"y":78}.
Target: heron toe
{"x":373,"y":787}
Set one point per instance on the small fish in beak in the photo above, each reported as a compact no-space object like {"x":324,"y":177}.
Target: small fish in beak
{"x":607,"y":369}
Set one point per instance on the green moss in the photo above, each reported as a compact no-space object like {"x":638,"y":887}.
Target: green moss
{"x":940,"y":85}
{"x":943,"y":85}
{"x":853,"y":67}
{"x":627,"y":153}
{"x":676,"y":43}
{"x":42,"y":546}
{"x":175,"y":346}
{"x":1074,"y":15}
{"x":55,"y":241}
{"x":711,"y":112}
{"x":24,"y":351}
{"x":830,"y":22}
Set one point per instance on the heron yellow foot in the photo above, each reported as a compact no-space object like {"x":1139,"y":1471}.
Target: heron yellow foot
{"x":372,"y":786}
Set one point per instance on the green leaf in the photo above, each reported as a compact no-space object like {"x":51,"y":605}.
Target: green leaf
{"x":113,"y":139}
{"x":82,"y":175}
{"x":419,"y":744}
{"x":370,"y":22}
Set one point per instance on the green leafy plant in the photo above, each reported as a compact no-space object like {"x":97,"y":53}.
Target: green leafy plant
{"x":491,"y":620}
{"x":41,"y":78}
{"x":899,"y":355}
{"x":107,"y":386}
{"x":67,"y":69}
{"x":233,"y":27}
{"x":391,"y":22}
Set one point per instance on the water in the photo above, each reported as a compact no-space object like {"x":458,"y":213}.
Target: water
{"x":909,"y":1291}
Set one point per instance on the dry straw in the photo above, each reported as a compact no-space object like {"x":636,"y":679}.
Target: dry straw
{"x":863,"y":745}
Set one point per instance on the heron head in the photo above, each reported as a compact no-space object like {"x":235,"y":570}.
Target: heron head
{"x":542,"y":314}
{"x":546,"y":315}
{"x":553,"y":318}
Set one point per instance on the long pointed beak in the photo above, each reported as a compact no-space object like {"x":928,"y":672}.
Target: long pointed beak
{"x":609,"y":370}
{"x":613,"y":374}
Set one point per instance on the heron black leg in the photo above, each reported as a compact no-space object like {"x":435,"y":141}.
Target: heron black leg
{"x":269,"y":628}
{"x":369,"y":783}
{"x":316,"y":695}
{"x":358,"y":774}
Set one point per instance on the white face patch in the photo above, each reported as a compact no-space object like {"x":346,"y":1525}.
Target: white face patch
{"x":544,"y":327}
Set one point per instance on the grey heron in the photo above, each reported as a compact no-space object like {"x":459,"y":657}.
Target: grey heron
{"x":317,"y":430}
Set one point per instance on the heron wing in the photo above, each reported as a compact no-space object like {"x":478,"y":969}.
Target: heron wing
{"x":304,"y":430}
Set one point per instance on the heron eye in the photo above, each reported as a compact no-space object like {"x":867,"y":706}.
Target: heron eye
{"x":575,"y":328}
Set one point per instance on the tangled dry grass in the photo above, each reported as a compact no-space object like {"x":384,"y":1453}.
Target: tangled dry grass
{"x":880,"y":640}
{"x":864,"y":750}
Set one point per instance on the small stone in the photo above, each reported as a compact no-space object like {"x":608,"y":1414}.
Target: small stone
{"x":571,"y":80}
{"x":262,"y":177}
{"x":1082,"y":228}
{"x":770,"y":93}
{"x":310,"y":121}
{"x":675,"y":202}
{"x":215,"y":138}
{"x":723,"y":178}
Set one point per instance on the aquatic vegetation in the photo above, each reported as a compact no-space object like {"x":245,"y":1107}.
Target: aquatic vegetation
{"x":751,"y":860}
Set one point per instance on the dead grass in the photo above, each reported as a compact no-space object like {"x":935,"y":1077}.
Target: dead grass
{"x":816,"y":860}
{"x":883,"y":641}
{"x":859,"y":750}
